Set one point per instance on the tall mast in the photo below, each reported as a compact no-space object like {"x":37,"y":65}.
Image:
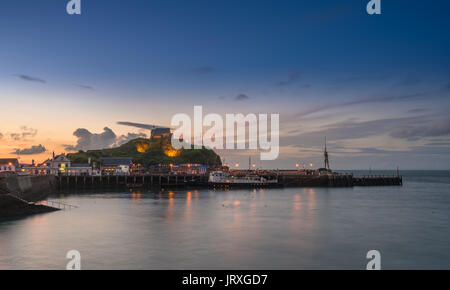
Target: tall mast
{"x":325,"y":153}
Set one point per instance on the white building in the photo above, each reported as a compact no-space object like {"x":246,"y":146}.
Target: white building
{"x":59,"y":164}
{"x":9,"y":164}
{"x":79,"y":169}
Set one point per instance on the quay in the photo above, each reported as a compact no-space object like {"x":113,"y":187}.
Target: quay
{"x":201,"y":180}
{"x":23,"y":195}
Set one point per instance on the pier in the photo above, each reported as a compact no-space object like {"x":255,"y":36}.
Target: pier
{"x":181,"y":181}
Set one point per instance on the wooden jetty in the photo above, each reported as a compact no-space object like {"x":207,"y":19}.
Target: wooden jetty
{"x":169,"y":181}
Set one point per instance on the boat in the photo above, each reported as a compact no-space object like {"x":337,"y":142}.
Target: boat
{"x":225,"y":179}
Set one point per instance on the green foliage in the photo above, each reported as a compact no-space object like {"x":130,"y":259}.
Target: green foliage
{"x":152,"y":151}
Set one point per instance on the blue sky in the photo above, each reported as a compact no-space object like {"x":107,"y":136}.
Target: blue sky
{"x":326,"y":66}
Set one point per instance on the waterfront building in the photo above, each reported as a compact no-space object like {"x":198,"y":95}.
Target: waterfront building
{"x":159,"y":168}
{"x":59,"y":163}
{"x":40,"y":169}
{"x":138,"y":169}
{"x":189,"y":168}
{"x":9,"y":164}
{"x":82,"y":169}
{"x":116,"y":165}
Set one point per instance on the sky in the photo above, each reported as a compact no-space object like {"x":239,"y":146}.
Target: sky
{"x":378,"y":86}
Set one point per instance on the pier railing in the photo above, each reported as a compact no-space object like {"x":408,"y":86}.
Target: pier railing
{"x":49,"y":203}
{"x":56,"y":204}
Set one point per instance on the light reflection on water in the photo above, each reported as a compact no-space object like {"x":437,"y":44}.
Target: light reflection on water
{"x":294,"y":228}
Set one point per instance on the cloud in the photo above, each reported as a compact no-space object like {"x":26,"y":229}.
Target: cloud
{"x":292,"y":78}
{"x":1,"y":135}
{"x":130,"y":136}
{"x":418,"y":110}
{"x":141,"y":126}
{"x":241,"y":97}
{"x":410,"y":80}
{"x":352,"y":129}
{"x":25,"y":132}
{"x":423,"y":128}
{"x":237,"y":98}
{"x":204,"y":70}
{"x":363,"y":78}
{"x":85,"y":87}
{"x":341,"y":131}
{"x":106,"y":139}
{"x":91,"y":141}
{"x":433,"y":129}
{"x":30,"y":151}
{"x":31,"y":79}
{"x":439,"y":143}
{"x":383,"y":99}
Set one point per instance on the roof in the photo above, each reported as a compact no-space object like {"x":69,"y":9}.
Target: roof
{"x":78,"y":165}
{"x":14,"y":161}
{"x":46,"y":162}
{"x":61,"y":157}
{"x":113,"y":161}
{"x":160,"y":131}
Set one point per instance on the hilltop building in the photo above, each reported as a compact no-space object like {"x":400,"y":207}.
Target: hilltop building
{"x":161,"y":133}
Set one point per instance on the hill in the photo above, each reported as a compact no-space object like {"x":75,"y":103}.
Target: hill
{"x":150,"y":151}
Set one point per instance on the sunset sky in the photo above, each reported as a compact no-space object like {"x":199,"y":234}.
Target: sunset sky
{"x":377,"y":86}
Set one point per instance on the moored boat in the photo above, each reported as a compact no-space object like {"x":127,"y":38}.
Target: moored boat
{"x":224,"y":179}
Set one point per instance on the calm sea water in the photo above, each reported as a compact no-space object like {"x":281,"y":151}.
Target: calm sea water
{"x":294,"y":228}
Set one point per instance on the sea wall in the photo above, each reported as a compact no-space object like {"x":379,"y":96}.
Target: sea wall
{"x":17,"y":194}
{"x":13,"y":207}
{"x":30,"y":188}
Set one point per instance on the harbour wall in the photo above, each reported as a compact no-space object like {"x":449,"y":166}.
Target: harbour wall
{"x":11,"y":206}
{"x":166,"y":181}
{"x":18,"y":194}
{"x":30,"y":188}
